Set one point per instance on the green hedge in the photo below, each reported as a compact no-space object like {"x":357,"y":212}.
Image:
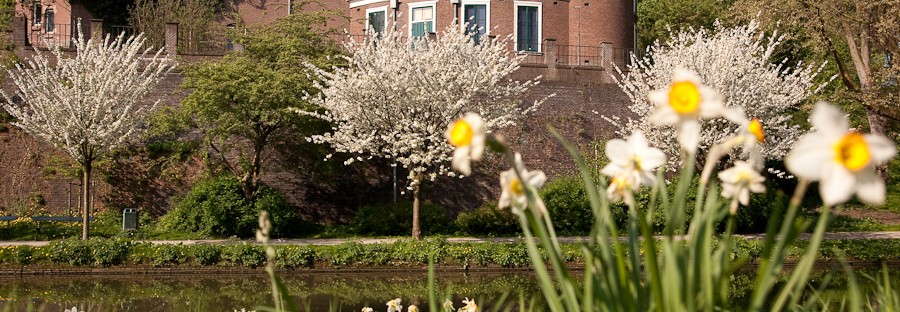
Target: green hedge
{"x":394,"y":220}
{"x":117,"y":251}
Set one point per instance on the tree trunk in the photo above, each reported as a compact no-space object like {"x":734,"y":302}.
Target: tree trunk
{"x":86,"y":197}
{"x":877,"y":125}
{"x":416,"y":227}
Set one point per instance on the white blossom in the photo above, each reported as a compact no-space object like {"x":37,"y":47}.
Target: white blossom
{"x":736,"y":62}
{"x":89,"y":103}
{"x":397,"y":96}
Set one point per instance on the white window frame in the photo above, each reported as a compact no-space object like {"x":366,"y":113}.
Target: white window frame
{"x":422,"y":4}
{"x":377,"y":9}
{"x":364,"y":2}
{"x":540,"y":38}
{"x":487,"y":14}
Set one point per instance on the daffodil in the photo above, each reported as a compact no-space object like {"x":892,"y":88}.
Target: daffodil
{"x":620,"y":187}
{"x":514,"y":189}
{"x":633,"y":161}
{"x":367,"y":309}
{"x":412,"y":308}
{"x":467,"y":135}
{"x":739,"y":181}
{"x":394,"y":306}
{"x":470,"y":306}
{"x":683,"y":103}
{"x":843,"y":161}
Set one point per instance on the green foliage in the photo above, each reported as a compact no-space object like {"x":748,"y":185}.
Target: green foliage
{"x":658,"y":16}
{"x":294,"y":256}
{"x":244,"y":254}
{"x":24,"y":255}
{"x":72,"y":251}
{"x":167,"y":254}
{"x":568,"y":205}
{"x":205,"y":254}
{"x":216,"y":207}
{"x":108,"y":252}
{"x":388,"y":219}
{"x":488,"y":220}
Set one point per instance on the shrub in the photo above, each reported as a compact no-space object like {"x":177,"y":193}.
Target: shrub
{"x":216,"y":207}
{"x":24,"y":254}
{"x":388,"y":219}
{"x":71,"y":251}
{"x":244,"y":254}
{"x":205,"y":254}
{"x":488,"y":220}
{"x":107,"y":252}
{"x":568,"y":205}
{"x":165,"y":254}
{"x":294,"y":256}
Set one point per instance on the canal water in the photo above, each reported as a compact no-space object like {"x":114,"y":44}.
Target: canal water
{"x":315,"y":291}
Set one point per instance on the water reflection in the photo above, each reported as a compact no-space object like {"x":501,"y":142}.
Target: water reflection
{"x":313,"y":292}
{"x":320,"y":291}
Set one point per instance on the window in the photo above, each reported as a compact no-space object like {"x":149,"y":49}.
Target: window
{"x":421,"y":19}
{"x":475,"y":20}
{"x":375,"y":19}
{"x":528,"y":26}
{"x":48,"y":20}
{"x":36,"y":14}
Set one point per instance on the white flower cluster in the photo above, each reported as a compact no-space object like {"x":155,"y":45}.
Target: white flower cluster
{"x":90,"y":103}
{"x":397,"y":96}
{"x":736,"y":63}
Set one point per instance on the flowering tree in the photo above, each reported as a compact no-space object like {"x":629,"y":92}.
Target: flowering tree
{"x":397,"y":97}
{"x":737,"y":63}
{"x":88,"y":104}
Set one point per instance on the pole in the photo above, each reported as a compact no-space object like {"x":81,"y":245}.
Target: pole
{"x":394,"y":166}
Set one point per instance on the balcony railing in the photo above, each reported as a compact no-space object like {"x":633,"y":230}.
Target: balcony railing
{"x":206,"y":41}
{"x":44,"y":36}
{"x":575,"y":55}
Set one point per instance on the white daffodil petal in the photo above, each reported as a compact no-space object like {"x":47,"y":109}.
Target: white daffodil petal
{"x":638,"y":142}
{"x":618,"y":151}
{"x":461,"y":161}
{"x":659,"y":97}
{"x":664,"y":115}
{"x":880,"y":148}
{"x":807,"y":157}
{"x":744,"y":197}
{"x":536,"y":178}
{"x":682,"y":74}
{"x":870,"y":188}
{"x":477,"y":147}
{"x":611,"y":169}
{"x":829,"y":121}
{"x":712,"y":103}
{"x":837,"y":184}
{"x":689,"y":135}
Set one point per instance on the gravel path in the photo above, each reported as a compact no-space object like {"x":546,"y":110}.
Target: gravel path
{"x":336,"y":241}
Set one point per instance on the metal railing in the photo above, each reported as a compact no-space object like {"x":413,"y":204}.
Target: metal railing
{"x":621,"y":57}
{"x":204,"y":41}
{"x":116,"y":30}
{"x":575,"y":55}
{"x":42,"y":36}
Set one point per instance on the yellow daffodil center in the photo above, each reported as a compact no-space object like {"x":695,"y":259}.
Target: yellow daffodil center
{"x":684,"y":97}
{"x":743,"y":177}
{"x":852,"y":152}
{"x":756,"y":129}
{"x":516,"y":187}
{"x":621,"y":184}
{"x":637,"y":163}
{"x":461,"y":133}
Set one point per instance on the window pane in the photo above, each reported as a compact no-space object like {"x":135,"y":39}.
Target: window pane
{"x":476,"y":18}
{"x":48,"y":20}
{"x":36,"y":14}
{"x":422,"y":14}
{"x":418,"y":29}
{"x":376,"y":21}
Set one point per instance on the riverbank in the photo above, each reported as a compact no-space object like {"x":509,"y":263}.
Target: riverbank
{"x":123,"y":256}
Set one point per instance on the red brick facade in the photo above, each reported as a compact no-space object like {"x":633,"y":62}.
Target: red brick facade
{"x":586,"y":23}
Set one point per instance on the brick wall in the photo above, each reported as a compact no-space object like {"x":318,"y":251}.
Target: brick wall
{"x":27,"y":165}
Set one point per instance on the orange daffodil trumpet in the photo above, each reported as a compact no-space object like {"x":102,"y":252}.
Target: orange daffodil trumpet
{"x":514,"y":189}
{"x":632,"y":164}
{"x":739,"y":181}
{"x":843,"y":161}
{"x":467,"y":135}
{"x":683,"y":103}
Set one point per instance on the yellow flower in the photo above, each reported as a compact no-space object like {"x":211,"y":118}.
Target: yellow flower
{"x":412,"y":308}
{"x":755,"y":127}
{"x":739,"y":181}
{"x":467,"y":135}
{"x":683,"y":103}
{"x":514,"y":189}
{"x":843,"y":161}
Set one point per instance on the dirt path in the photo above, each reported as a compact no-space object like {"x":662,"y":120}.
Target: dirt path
{"x":881,"y":216}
